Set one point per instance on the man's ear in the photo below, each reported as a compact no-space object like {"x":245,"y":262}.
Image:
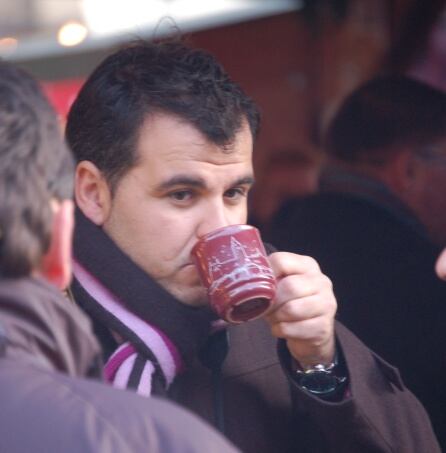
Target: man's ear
{"x":56,"y":264}
{"x":92,"y":193}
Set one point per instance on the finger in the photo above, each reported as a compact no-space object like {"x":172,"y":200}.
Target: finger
{"x":304,"y":308}
{"x":314,"y":331}
{"x":299,"y":286}
{"x":284,"y":263}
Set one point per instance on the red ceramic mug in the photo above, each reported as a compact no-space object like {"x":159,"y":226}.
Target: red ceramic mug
{"x":233,"y":266}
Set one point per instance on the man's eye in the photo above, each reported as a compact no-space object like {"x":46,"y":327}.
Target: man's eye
{"x":181,"y":195}
{"x":235,"y":193}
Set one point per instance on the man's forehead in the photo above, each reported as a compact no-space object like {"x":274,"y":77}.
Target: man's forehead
{"x":166,"y":138}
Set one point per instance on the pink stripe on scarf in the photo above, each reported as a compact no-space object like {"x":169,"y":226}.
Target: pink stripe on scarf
{"x":116,"y":359}
{"x":124,"y":371}
{"x":145,"y":383}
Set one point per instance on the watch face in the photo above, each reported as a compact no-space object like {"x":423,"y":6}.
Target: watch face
{"x":319,"y":382}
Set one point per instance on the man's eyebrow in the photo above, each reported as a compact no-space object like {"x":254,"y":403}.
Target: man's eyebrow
{"x":181,"y":180}
{"x":197,"y":182}
{"x":246,"y":180}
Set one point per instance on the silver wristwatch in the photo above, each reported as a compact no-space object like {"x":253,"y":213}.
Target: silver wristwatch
{"x":322,"y":380}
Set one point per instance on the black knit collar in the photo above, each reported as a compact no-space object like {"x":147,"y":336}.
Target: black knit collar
{"x":187,"y":327}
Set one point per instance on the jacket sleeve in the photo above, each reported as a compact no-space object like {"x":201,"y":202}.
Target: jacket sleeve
{"x":379,"y":414}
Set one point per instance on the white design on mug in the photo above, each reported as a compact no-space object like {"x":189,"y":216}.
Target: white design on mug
{"x":243,"y":263}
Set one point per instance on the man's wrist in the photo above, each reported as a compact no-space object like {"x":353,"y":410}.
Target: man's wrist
{"x":326,"y":381}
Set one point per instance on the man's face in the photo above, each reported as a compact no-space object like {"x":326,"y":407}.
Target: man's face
{"x":182,"y":187}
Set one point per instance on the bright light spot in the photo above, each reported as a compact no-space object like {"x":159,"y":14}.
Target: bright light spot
{"x":8,"y":45}
{"x":108,"y":16}
{"x":71,"y":34}
{"x":105,"y":17}
{"x":111,"y":16}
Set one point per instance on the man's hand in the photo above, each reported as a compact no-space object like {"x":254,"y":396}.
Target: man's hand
{"x":304,"y":308}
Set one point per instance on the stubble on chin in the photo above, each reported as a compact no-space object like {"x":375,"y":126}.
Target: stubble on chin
{"x":193,"y":296}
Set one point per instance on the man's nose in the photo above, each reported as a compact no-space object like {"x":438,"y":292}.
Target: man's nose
{"x":214,"y":216}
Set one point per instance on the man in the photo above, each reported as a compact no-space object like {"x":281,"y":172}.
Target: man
{"x":163,"y":139}
{"x":47,"y":348}
{"x":377,"y":224}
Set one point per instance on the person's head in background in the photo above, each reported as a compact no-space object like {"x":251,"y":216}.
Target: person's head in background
{"x":393,"y":129}
{"x":36,"y":183}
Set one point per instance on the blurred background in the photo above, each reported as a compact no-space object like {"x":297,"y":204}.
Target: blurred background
{"x":297,"y":58}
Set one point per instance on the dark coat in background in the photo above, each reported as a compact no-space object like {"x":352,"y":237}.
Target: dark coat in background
{"x":46,"y":406}
{"x":382,"y":268}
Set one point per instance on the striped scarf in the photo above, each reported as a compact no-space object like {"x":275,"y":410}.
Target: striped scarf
{"x":148,"y":336}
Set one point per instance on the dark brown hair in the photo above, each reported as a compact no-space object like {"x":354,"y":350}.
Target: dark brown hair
{"x":385,"y":113}
{"x":148,"y":78}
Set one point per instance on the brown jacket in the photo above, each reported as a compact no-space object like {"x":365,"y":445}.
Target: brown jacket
{"x":266,"y":412}
{"x":46,"y":347}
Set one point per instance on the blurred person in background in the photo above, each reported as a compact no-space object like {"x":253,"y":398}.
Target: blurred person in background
{"x":378,"y":224}
{"x":163,"y":140}
{"x":47,"y":348}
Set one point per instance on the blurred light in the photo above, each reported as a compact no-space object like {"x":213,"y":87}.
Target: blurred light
{"x":109,"y":16}
{"x":8,"y":45}
{"x":104,"y":17}
{"x":109,"y":22}
{"x":71,"y":34}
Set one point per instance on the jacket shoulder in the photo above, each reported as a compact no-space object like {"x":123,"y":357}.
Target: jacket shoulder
{"x":50,"y":411}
